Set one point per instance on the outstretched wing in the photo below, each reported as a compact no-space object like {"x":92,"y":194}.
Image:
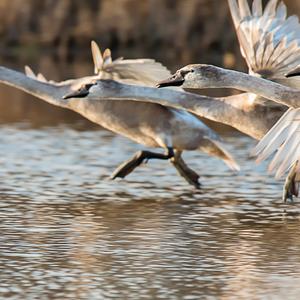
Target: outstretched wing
{"x":284,"y":140}
{"x":269,"y":40}
{"x":73,"y":84}
{"x":136,"y":71}
{"x":133,"y":71}
{"x":270,"y":43}
{"x":31,"y":74}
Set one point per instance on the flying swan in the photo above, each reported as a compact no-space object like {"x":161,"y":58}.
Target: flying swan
{"x":152,"y":124}
{"x":270,"y":43}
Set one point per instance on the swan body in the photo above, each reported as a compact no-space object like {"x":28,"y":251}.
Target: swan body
{"x":151,"y":124}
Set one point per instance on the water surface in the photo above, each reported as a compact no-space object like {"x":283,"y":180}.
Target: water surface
{"x":69,"y":232}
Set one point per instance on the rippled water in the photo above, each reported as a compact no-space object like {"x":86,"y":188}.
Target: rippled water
{"x":68,"y":232}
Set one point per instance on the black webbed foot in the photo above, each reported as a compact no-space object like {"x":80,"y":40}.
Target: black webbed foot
{"x":142,"y":156}
{"x":187,"y":173}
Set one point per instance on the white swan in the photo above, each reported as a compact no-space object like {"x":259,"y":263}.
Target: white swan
{"x":270,"y":43}
{"x":150,"y":124}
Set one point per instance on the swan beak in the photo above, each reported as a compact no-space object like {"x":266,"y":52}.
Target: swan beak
{"x":76,"y":94}
{"x":295,"y":72}
{"x":80,"y":93}
{"x":176,"y":80}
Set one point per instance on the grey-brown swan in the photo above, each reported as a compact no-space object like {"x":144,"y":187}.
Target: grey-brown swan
{"x":150,"y":124}
{"x":270,"y":43}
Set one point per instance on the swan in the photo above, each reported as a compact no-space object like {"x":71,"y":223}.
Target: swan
{"x":151,"y":124}
{"x":270,"y":43}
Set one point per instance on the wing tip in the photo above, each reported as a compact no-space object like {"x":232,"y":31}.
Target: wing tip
{"x":97,"y":57}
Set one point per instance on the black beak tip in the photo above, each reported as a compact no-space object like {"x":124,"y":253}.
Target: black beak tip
{"x":167,"y":83}
{"x":173,"y":81}
{"x":77,"y":94}
{"x":292,"y":75}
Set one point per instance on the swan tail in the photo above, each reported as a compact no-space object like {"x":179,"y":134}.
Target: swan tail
{"x":215,"y":149}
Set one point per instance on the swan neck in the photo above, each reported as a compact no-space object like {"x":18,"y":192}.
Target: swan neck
{"x":214,"y":109}
{"x":262,"y":87}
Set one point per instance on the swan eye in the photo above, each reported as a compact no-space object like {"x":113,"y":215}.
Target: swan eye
{"x":185,"y":72}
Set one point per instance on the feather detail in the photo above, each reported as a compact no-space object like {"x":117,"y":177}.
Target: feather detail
{"x":284,"y":140}
{"x":97,"y":57}
{"x":107,"y":57}
{"x":41,"y":77}
{"x":29,"y":72}
{"x":134,"y":71}
{"x":215,"y":148}
{"x":257,"y":8}
{"x":269,"y":41}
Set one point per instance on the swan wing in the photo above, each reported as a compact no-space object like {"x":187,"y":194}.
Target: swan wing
{"x":97,"y":57}
{"x":29,"y":72}
{"x":283,"y":140}
{"x":135,"y":71}
{"x":269,"y":40}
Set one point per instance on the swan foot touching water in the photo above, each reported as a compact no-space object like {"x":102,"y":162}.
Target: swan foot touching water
{"x":119,"y":97}
{"x":269,"y":41}
{"x":187,"y":173}
{"x":143,"y":156}
{"x":291,"y":184}
{"x":138,"y":158}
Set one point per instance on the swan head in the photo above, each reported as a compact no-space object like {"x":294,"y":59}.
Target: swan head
{"x":96,"y":89}
{"x":195,"y":77}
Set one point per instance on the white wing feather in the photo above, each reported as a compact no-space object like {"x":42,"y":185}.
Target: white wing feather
{"x":97,"y":57}
{"x":284,"y":140}
{"x":29,"y":72}
{"x":269,"y":41}
{"x":135,"y":71}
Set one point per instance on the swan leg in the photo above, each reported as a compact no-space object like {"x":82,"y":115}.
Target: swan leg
{"x":128,"y":166}
{"x":291,"y":185}
{"x":187,"y":173}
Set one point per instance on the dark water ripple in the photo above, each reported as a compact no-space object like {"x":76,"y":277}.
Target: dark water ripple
{"x":68,"y":232}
